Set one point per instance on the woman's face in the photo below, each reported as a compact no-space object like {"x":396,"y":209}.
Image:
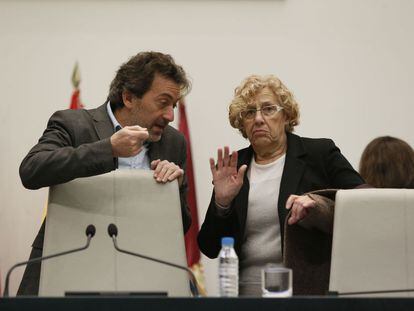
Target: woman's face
{"x":265,"y":131}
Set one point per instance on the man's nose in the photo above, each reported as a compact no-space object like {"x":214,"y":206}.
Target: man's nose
{"x":169,"y":114}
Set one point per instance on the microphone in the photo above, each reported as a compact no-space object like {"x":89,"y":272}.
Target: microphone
{"x":113,"y":233}
{"x":90,"y":232}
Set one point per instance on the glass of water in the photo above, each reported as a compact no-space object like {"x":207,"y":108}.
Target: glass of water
{"x":276,"y":281}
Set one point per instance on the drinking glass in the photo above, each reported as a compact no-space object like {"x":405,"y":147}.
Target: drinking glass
{"x":276,"y":281}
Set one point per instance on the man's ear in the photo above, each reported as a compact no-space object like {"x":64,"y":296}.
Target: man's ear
{"x":128,"y":99}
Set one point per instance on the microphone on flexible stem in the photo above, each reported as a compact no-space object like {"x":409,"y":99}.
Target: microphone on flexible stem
{"x":90,"y":232}
{"x":113,"y":233}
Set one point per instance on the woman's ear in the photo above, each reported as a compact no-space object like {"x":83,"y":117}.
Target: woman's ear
{"x":243,"y":132}
{"x":286,"y":121}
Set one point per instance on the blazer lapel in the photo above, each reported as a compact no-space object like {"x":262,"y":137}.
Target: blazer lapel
{"x":242,"y":199}
{"x":292,"y":175}
{"x":154,"y":151}
{"x":102,"y":123}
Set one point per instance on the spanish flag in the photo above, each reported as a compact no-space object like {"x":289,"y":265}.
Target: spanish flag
{"x":75,"y":102}
{"x":192,"y":250}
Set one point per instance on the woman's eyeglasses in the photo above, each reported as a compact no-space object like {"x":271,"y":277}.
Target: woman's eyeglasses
{"x":266,"y":111}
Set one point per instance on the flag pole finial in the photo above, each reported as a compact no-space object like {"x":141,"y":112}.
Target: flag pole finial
{"x":76,"y":79}
{"x":75,"y":102}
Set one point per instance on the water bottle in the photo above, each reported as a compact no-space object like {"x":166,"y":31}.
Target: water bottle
{"x":228,"y":269}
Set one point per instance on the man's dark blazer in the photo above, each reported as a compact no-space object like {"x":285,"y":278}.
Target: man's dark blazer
{"x":311,"y":164}
{"x":76,"y":143}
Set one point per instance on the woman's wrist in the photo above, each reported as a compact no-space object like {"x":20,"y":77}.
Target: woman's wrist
{"x":221,"y":205}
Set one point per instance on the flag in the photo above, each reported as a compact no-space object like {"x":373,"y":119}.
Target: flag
{"x":191,"y":246}
{"x":75,"y":102}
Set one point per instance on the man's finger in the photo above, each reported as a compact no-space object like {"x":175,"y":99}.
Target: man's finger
{"x":136,"y":128}
{"x":158,"y":169}
{"x":155,"y":163}
{"x":135,"y":150}
{"x":176,"y":174}
{"x":141,"y":135}
{"x":161,"y":173}
{"x":169,"y":170}
{"x":161,"y":166}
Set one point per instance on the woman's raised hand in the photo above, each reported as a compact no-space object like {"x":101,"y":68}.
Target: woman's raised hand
{"x":226,"y":179}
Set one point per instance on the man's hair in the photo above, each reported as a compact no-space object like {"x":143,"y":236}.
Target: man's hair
{"x":388,"y":162}
{"x":137,"y":74}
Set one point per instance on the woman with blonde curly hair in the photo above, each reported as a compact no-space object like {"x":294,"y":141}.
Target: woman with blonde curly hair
{"x":270,"y":207}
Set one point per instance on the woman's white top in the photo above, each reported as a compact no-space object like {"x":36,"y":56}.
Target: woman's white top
{"x":262,"y":244}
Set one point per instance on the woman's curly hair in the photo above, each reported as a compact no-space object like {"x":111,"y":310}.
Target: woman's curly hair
{"x":250,"y":87}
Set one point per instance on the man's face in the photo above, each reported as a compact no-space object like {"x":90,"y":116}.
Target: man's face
{"x":156,"y":107}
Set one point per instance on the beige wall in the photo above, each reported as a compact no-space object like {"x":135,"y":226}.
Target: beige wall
{"x":349,"y":63}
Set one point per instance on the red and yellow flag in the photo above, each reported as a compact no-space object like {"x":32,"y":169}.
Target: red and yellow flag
{"x":192,"y":250}
{"x":75,"y":102}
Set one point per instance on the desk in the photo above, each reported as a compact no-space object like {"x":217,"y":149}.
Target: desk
{"x":206,"y":304}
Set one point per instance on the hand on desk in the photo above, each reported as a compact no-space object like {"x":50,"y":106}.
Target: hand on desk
{"x":165,"y":171}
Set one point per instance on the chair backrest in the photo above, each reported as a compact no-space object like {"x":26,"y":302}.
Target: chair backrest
{"x":373,"y":241}
{"x":148,"y":217}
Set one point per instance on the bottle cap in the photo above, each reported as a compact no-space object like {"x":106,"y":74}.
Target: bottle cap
{"x":227,"y":241}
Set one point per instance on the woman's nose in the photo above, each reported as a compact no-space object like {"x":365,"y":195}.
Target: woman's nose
{"x":258,"y":116}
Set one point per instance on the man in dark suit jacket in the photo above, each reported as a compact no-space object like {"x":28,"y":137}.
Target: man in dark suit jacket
{"x":129,"y":131}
